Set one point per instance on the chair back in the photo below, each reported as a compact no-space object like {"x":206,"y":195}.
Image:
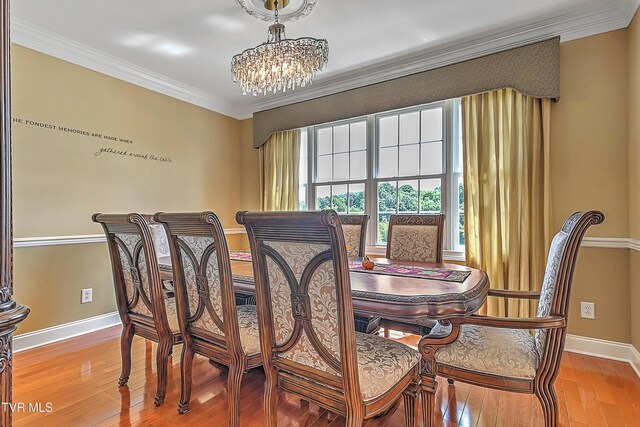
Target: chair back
{"x":416,"y":237}
{"x":304,"y":297}
{"x":202,"y":277}
{"x":556,"y":285}
{"x":139,"y":292}
{"x":354,"y":228}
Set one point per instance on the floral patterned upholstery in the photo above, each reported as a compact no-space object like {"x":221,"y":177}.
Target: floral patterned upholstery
{"x":195,"y":285}
{"x":414,"y":243}
{"x":323,"y":299}
{"x":160,"y":241}
{"x":352,"y":239}
{"x":549,"y":285}
{"x":382,"y":363}
{"x":130,"y":242}
{"x":504,"y":352}
{"x":127,"y":255}
{"x":248,"y":325}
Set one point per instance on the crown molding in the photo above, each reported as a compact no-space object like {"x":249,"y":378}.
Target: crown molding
{"x":41,"y":40}
{"x":569,"y":26}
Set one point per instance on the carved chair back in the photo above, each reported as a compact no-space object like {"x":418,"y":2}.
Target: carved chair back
{"x":202,"y":277}
{"x":138,"y":286}
{"x":355,"y":234}
{"x":304,"y":296}
{"x":416,"y":237}
{"x":556,"y":285}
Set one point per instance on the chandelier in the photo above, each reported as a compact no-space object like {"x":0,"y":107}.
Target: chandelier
{"x":280,"y":64}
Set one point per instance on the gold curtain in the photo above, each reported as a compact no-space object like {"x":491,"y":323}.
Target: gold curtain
{"x":279,"y":171}
{"x":507,"y":193}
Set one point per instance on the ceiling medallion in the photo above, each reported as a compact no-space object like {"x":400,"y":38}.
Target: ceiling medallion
{"x":280,"y":64}
{"x":261,"y":9}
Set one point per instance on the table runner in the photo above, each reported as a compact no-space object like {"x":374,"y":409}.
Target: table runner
{"x":240,"y":256}
{"x":418,"y":272}
{"x":415,"y":271}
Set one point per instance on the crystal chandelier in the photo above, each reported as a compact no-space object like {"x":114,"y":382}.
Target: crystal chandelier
{"x":280,"y":64}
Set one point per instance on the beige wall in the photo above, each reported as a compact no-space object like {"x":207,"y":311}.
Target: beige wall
{"x":59,"y":181}
{"x":590,"y":171}
{"x":634,"y":173}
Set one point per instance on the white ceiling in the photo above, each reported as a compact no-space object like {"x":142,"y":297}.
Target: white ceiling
{"x":184,"y":48}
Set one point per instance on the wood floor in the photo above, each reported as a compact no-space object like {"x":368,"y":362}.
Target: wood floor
{"x":78,"y":379}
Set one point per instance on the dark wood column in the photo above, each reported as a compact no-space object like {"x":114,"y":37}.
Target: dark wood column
{"x":11,"y":313}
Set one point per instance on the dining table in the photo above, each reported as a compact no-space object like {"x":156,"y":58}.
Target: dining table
{"x":395,"y":289}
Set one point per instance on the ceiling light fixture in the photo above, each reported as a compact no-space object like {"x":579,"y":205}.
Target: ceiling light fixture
{"x":280,"y":64}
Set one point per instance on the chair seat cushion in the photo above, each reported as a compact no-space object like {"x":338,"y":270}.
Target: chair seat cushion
{"x":382,"y":363}
{"x":504,"y":352}
{"x":248,"y":325}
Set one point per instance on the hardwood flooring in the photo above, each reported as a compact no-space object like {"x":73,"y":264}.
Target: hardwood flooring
{"x":78,"y":379}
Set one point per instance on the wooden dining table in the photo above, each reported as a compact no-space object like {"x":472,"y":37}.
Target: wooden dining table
{"x":392,"y":296}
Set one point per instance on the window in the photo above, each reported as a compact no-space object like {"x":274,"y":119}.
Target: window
{"x":405,"y":161}
{"x":340,"y":167}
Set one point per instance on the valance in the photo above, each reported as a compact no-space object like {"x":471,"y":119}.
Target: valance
{"x":533,"y":70}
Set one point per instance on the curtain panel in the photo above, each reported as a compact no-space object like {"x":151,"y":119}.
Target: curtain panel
{"x":507,"y":193}
{"x":279,"y":171}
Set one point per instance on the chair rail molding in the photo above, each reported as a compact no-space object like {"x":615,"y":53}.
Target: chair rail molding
{"x":34,"y":242}
{"x":611,"y":243}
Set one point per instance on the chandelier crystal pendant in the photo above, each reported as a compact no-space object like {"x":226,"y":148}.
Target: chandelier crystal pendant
{"x":280,"y":64}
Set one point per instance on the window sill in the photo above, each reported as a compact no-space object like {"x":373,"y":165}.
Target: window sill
{"x":457,"y":256}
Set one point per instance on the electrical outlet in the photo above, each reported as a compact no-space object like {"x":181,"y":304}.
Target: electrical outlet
{"x":587,"y":310}
{"x":86,"y":295}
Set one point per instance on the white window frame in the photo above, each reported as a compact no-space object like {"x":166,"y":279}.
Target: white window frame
{"x":449,"y":176}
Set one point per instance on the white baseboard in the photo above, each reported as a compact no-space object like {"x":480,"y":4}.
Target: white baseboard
{"x":635,"y":360}
{"x":62,"y":332}
{"x":606,"y":349}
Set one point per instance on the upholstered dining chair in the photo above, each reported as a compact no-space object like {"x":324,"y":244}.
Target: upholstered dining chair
{"x":414,"y":238}
{"x":142,"y":304}
{"x":501,"y":353}
{"x":211,"y":323}
{"x":355,"y":234}
{"x":305,"y":311}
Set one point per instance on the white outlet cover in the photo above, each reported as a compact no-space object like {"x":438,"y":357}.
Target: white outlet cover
{"x":86,"y":296}
{"x":587,"y":310}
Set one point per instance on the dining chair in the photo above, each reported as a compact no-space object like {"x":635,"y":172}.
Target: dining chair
{"x":501,"y":353}
{"x":309,"y":345}
{"x":211,"y":323}
{"x":143,"y":306}
{"x":354,"y":228}
{"x":414,"y":238}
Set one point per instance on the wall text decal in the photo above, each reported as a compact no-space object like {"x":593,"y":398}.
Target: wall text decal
{"x":96,"y":135}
